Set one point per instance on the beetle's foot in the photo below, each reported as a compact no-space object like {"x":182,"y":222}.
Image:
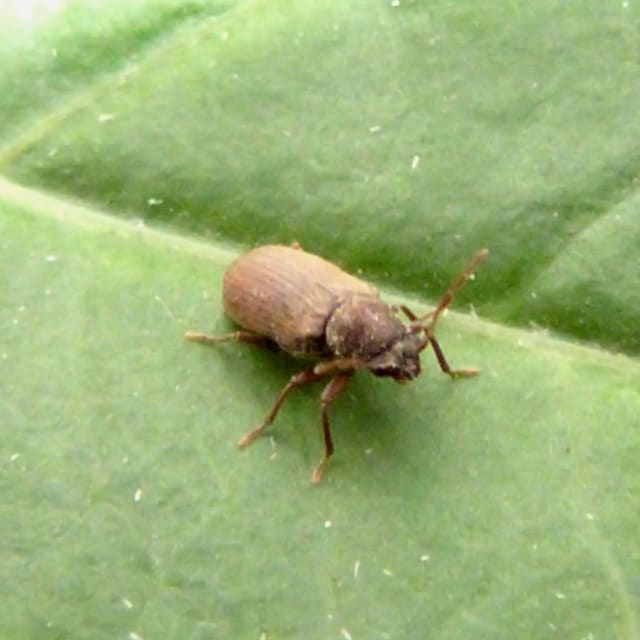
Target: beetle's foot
{"x":318,"y":472}
{"x":464,"y":373}
{"x":248,"y":438}
{"x":203,"y":338}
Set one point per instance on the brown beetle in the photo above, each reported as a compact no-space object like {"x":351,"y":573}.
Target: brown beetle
{"x":286,"y":298}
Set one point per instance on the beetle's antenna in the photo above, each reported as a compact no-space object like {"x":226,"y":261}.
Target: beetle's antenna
{"x":450,"y":293}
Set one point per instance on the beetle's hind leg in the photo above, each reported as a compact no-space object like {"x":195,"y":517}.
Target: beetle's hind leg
{"x":245,"y":337}
{"x":330,"y":393}
{"x":297,"y":380}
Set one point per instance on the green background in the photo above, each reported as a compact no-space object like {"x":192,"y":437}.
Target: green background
{"x":143,"y":146}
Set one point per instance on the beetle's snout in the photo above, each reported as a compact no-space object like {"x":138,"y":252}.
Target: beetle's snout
{"x":410,"y":371}
{"x":402,"y":378}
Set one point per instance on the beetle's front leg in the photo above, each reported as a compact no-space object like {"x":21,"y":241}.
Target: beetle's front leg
{"x":297,"y":380}
{"x":437,"y":349}
{"x":407,"y":312}
{"x":245,"y":337}
{"x":444,"y":365}
{"x":330,"y":393}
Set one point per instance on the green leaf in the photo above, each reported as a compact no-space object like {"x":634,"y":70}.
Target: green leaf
{"x":395,"y":139}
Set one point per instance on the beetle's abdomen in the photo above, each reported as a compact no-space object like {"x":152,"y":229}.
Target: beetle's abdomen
{"x":288,"y":295}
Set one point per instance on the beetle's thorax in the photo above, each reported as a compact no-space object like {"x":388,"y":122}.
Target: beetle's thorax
{"x":368,"y":330}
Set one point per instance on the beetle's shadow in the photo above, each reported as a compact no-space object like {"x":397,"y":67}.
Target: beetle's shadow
{"x":377,"y":426}
{"x":387,"y":431}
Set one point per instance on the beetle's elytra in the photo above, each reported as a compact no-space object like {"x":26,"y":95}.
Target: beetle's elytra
{"x":286,"y":298}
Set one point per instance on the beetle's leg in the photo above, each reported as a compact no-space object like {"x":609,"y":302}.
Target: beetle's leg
{"x":246,"y":337}
{"x":297,"y":380}
{"x":407,"y":312}
{"x":416,"y":322}
{"x":411,"y":315}
{"x":455,"y":286}
{"x":444,"y":365}
{"x":330,"y":393}
{"x":445,"y":301}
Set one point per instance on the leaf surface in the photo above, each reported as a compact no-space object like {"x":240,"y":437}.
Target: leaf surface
{"x":395,"y":139}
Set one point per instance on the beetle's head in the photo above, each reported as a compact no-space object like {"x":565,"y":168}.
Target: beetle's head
{"x":401,"y":361}
{"x":368,"y":330}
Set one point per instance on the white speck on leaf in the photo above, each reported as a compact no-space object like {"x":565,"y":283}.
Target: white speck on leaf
{"x":387,"y":572}
{"x":345,"y":633}
{"x":135,"y":636}
{"x":224,"y":35}
{"x":127,"y":603}
{"x":375,"y":128}
{"x":164,"y":305}
{"x":560,"y":595}
{"x":415,"y":162}
{"x":105,"y":117}
{"x":425,"y":557}
{"x":51,"y":258}
{"x":137,"y":496}
{"x":356,"y":569}
{"x":589,"y":516}
{"x":395,"y":3}
{"x":327,"y":524}
{"x":154,"y":202}
{"x":14,"y":457}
